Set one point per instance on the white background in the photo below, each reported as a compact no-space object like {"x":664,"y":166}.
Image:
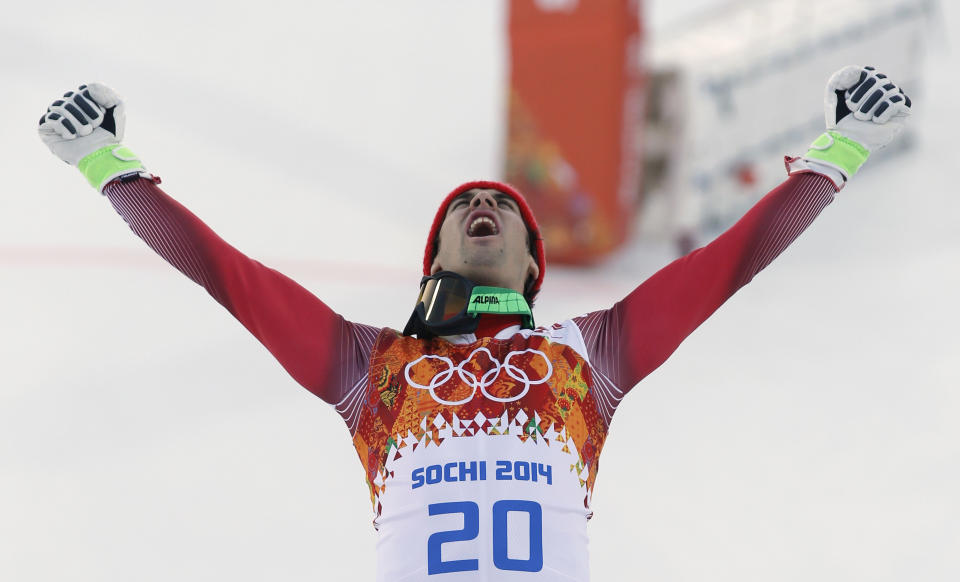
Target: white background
{"x":808,"y":431}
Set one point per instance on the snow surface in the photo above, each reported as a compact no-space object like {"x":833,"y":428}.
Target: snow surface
{"x":810,"y":430}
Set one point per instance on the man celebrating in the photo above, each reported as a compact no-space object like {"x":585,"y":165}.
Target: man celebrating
{"x":479,"y":432}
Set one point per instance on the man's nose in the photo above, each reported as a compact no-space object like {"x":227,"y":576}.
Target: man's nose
{"x":483,"y":198}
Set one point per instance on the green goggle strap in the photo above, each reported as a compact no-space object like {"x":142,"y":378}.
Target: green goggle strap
{"x":500,"y":301}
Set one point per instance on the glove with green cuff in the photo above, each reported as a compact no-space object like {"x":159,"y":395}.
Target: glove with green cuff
{"x":864,"y":112}
{"x":84,"y":128}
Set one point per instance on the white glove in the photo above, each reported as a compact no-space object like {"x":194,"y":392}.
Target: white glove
{"x":864,"y":112}
{"x":862,"y":104}
{"x":84,"y":128}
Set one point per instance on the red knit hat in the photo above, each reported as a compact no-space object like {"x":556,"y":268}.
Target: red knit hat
{"x":536,"y":241}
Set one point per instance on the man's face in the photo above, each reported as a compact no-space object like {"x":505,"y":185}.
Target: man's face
{"x":484,"y":238}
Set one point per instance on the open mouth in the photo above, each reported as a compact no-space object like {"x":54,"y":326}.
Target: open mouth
{"x":482,"y":226}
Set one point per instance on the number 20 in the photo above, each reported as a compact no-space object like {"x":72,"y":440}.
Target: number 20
{"x":471,"y":529}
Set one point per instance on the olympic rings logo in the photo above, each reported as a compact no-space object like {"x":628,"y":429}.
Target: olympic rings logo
{"x":484,"y":381}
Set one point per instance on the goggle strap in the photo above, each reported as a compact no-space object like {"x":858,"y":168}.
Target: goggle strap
{"x":498,"y":300}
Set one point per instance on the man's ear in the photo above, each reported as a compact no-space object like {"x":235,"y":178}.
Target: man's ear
{"x":533,"y":269}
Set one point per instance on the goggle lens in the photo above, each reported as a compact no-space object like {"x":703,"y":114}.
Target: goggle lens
{"x":444,"y":299}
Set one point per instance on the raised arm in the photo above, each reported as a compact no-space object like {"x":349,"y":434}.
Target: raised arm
{"x":637,"y":334}
{"x":321,"y":350}
{"x":864,"y":112}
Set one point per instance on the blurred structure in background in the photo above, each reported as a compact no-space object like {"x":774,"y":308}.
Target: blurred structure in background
{"x":576,"y":101}
{"x":738,"y":87}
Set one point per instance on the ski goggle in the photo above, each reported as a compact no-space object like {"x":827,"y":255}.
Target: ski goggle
{"x":451,"y":304}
